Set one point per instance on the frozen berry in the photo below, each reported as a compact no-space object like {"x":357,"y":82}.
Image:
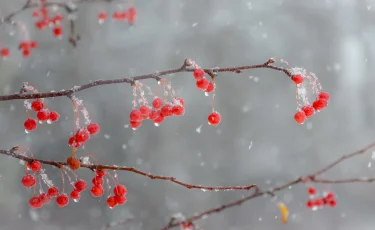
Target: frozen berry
{"x":35,"y":202}
{"x":159,"y":120}
{"x":35,"y":166}
{"x":82,"y":135}
{"x":62,"y":200}
{"x":310,"y":204}
{"x":73,"y":163}
{"x":97,"y":190}
{"x":202,"y":84}
{"x":26,"y":52}
{"x":111,"y":202}
{"x":54,"y":116}
{"x":198,"y":73}
{"x":43,"y":115}
{"x":178,"y":110}
{"x":57,"y":31}
{"x":311,"y":191}
{"x":102,"y":16}
{"x":214,"y":118}
{"x":320,"y":104}
{"x":145,"y":111}
{"x":4,"y":52}
{"x":119,"y":190}
{"x":53,"y":191}
{"x":73,"y":143}
{"x":80,"y":185}
{"x":332,"y":203}
{"x":33,"y":44}
{"x":166,"y":110}
{"x":28,"y":181}
{"x":157,"y":103}
{"x":75,"y":195}
{"x":135,"y":124}
{"x":101,"y":172}
{"x":154,"y":114}
{"x":37,"y":105}
{"x":210,"y":87}
{"x":98,"y":180}
{"x":30,"y":124}
{"x":324,"y":95}
{"x":120,"y":199}
{"x":181,"y":100}
{"x":298,"y":79}
{"x":135,"y":115}
{"x":93,"y":128}
{"x":300,"y":117}
{"x":308,"y":110}
{"x":45,"y":198}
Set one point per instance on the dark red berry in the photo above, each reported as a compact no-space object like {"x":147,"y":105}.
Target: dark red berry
{"x":75,"y":195}
{"x":111,"y":202}
{"x":97,"y":190}
{"x":214,"y":118}
{"x":54,"y":116}
{"x":98,"y":180}
{"x":324,"y":95}
{"x":35,"y":202}
{"x":62,"y":200}
{"x":308,"y":110}
{"x":43,"y":115}
{"x":320,"y":104}
{"x":53,"y":191}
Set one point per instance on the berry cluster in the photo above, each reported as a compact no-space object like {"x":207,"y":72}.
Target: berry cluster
{"x":202,"y":83}
{"x":45,"y":21}
{"x":327,"y":199}
{"x":42,"y":114}
{"x":83,"y":134}
{"x":27,"y":46}
{"x":129,"y":15}
{"x":307,"y":111}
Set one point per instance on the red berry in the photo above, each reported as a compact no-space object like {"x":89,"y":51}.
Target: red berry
{"x":80,"y":185}
{"x":318,"y":202}
{"x":4,"y":52}
{"x":120,"y":199}
{"x":300,"y":117}
{"x":116,"y":15}
{"x":98,"y":180}
{"x":135,"y":124}
{"x":298,"y":79}
{"x":30,"y":124}
{"x":214,"y":118}
{"x":178,"y":110}
{"x":330,"y":195}
{"x":166,"y":110}
{"x":120,"y":190}
{"x":308,"y":110}
{"x":43,"y":115}
{"x":332,"y":203}
{"x":26,"y":52}
{"x":159,"y":120}
{"x":324,"y":95}
{"x":198,"y":73}
{"x":53,"y":191}
{"x":33,"y":44}
{"x":35,"y":166}
{"x":157,"y":103}
{"x":132,"y":11}
{"x":202,"y":84}
{"x":145,"y":111}
{"x":24,"y":45}
{"x":37,"y":105}
{"x":181,"y":100}
{"x":101,"y":173}
{"x":62,"y":200}
{"x":210,"y":87}
{"x":35,"y":14}
{"x":45,"y":198}
{"x":111,"y":202}
{"x":73,"y":143}
{"x":310,"y":204}
{"x":75,"y":195}
{"x":320,"y":104}
{"x":102,"y":16}
{"x":93,"y":128}
{"x":35,"y":202}
{"x":97,"y":190}
{"x":57,"y":31}
{"x":82,"y":135}
{"x":28,"y":181}
{"x":311,"y":191}
{"x":54,"y":116}
{"x":154,"y":114}
{"x":136,"y":115}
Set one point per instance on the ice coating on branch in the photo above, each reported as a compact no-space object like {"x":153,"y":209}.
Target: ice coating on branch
{"x":45,"y":179}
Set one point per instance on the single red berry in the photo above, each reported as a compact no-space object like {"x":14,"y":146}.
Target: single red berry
{"x":198,"y":74}
{"x":311,"y":191}
{"x":45,"y":198}
{"x":166,"y":110}
{"x":157,"y":103}
{"x":332,"y":203}
{"x":135,"y":124}
{"x":28,"y":181}
{"x":75,"y":195}
{"x":298,"y":79}
{"x":35,"y":166}
{"x":98,"y":180}
{"x":80,"y":185}
{"x":40,"y":25}
{"x":43,"y":115}
{"x":73,"y":143}
{"x":93,"y":128}
{"x":24,"y":45}
{"x":120,"y":190}
{"x":178,"y":110}
{"x":57,"y":19}
{"x":101,"y":172}
{"x":37,"y":105}
{"x":131,"y":18}
{"x":35,"y":202}
{"x":26,"y":52}
{"x":116,"y":15}
{"x":57,"y":31}
{"x":53,"y":191}
{"x":120,"y":199}
{"x":123,"y":15}
{"x":330,"y":195}
{"x":300,"y":117}
{"x":97,"y":190}
{"x":214,"y":118}
{"x":154,"y":114}
{"x":35,"y":14}
{"x":202,"y":84}
{"x":30,"y":124}
{"x":102,"y":16}
{"x":82,"y":135}
{"x":308,"y":110}
{"x":54,"y":116}
{"x":310,"y":204}
{"x":324,"y":95}
{"x":4,"y":52}
{"x":159,"y":120}
{"x":320,"y":104}
{"x":210,"y":88}
{"x":33,"y":44}
{"x":145,"y":111}
{"x":136,"y":115}
{"x":111,"y":202}
{"x":318,"y":202}
{"x":62,"y":200}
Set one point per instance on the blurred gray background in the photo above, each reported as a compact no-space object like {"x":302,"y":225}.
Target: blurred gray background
{"x":258,"y":140}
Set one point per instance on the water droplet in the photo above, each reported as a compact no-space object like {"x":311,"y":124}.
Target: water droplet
{"x":76,"y":200}
{"x":100,"y":21}
{"x":206,"y":94}
{"x":107,"y":136}
{"x":40,"y":122}
{"x":26,"y":131}
{"x":49,"y":121}
{"x":157,"y":124}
